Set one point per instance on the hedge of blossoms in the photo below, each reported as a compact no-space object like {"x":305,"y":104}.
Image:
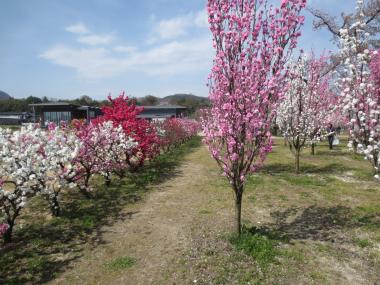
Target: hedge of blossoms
{"x":253,"y":41}
{"x":308,"y":104}
{"x":175,"y":131}
{"x":35,"y":161}
{"x":102,"y":151}
{"x":360,"y":94}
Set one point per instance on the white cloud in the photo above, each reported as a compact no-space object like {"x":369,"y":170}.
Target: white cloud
{"x":172,"y":28}
{"x":201,"y":19}
{"x":124,"y":48}
{"x":168,"y":59}
{"x":88,"y":62}
{"x":78,"y":28}
{"x":102,"y":56}
{"x":95,"y":40}
{"x":178,"y":26}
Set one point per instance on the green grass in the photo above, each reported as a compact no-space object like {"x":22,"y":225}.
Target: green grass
{"x":301,"y":223}
{"x":121,"y":263}
{"x":260,"y":246}
{"x":362,"y":242}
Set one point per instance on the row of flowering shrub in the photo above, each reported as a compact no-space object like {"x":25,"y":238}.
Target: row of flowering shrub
{"x":175,"y":131}
{"x":36,"y":161}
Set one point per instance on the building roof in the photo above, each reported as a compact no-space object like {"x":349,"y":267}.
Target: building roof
{"x":165,"y":107}
{"x":55,"y":104}
{"x":14,"y":113}
{"x":88,"y":108}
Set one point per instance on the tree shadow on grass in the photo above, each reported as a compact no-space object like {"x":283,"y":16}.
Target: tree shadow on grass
{"x":319,"y":223}
{"x":316,"y":223}
{"x":281,"y":168}
{"x":43,"y":249}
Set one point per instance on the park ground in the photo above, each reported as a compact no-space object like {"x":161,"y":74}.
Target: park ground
{"x":172,"y":223}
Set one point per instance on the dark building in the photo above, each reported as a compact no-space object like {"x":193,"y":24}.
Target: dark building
{"x":13,"y":118}
{"x":162,"y":112}
{"x":60,"y":111}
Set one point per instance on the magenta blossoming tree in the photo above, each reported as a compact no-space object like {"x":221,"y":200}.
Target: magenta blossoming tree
{"x":253,"y":42}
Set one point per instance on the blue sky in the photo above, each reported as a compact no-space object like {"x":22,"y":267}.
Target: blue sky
{"x":67,"y":48}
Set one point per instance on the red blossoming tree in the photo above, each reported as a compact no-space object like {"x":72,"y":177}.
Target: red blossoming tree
{"x":124,"y":113}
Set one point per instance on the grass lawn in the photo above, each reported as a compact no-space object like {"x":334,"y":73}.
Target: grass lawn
{"x":319,"y":227}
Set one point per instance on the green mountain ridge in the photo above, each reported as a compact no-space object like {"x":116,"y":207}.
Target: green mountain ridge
{"x":4,"y":96}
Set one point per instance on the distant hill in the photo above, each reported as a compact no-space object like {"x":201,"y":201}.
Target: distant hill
{"x":4,"y":96}
{"x":181,"y":97}
{"x":192,"y":102}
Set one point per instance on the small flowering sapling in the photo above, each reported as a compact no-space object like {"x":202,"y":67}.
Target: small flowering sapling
{"x":61,"y":147}
{"x":307,"y":105}
{"x":253,"y":42}
{"x":85,"y":164}
{"x":113,"y":149}
{"x":23,"y":168}
{"x":102,"y":151}
{"x":360,"y":98}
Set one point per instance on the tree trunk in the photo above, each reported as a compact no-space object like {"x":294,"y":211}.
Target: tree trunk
{"x":297,"y":161}
{"x":238,"y":202}
{"x":107,"y":179}
{"x":8,"y":234}
{"x":313,"y":148}
{"x":55,"y":207}
{"x":355,"y":145}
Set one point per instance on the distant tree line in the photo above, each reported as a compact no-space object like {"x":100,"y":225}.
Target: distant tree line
{"x":192,"y":102}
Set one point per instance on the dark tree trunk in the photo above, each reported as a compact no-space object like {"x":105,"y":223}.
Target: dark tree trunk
{"x":55,"y":207}
{"x":355,"y":145}
{"x":313,"y":148}
{"x":238,"y":203}
{"x":9,"y":233}
{"x":297,"y":161}
{"x":107,"y":179}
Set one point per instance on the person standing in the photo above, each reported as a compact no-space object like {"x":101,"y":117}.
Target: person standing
{"x":330,"y":135}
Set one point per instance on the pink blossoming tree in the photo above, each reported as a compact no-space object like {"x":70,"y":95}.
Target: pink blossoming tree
{"x":253,"y":42}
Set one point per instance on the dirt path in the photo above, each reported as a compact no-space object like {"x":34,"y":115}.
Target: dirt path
{"x":157,"y":232}
{"x":179,"y":233}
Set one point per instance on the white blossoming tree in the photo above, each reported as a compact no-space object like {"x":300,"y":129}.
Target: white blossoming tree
{"x":29,"y":161}
{"x":360,"y":96}
{"x":307,"y":105}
